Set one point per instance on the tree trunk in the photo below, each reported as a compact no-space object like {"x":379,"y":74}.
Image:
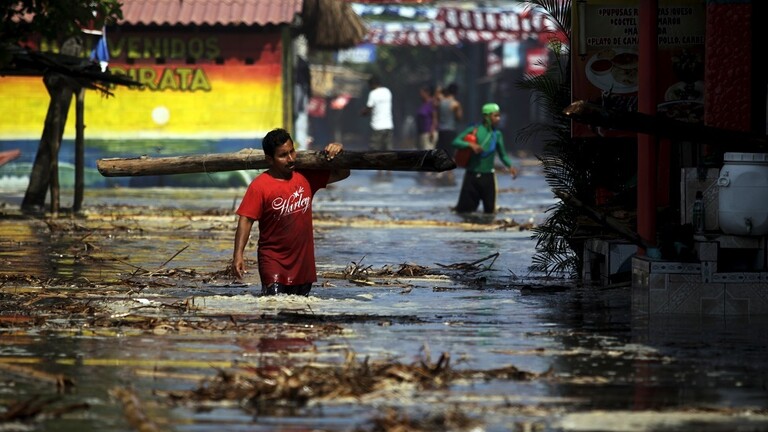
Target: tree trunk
{"x":45,"y":171}
{"x":79,"y":151}
{"x":428,"y":160}
{"x":46,"y":160}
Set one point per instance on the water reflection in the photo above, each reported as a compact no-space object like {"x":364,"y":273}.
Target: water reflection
{"x":588,"y":350}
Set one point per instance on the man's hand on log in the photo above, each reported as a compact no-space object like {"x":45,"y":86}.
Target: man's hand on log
{"x":332,"y":149}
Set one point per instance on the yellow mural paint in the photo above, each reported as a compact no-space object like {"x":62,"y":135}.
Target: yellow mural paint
{"x":154,"y":363}
{"x":214,"y":86}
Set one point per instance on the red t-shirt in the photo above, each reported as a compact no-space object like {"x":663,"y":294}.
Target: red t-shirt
{"x":286,"y":248}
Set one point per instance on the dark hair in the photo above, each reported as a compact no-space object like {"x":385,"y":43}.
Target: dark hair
{"x":429,"y":88}
{"x":452,"y":89}
{"x":275,"y":138}
{"x":374,"y":81}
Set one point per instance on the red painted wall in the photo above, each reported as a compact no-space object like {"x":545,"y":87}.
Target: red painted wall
{"x":728,"y":68}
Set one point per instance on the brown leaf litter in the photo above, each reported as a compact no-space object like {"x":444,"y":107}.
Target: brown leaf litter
{"x":269,"y":388}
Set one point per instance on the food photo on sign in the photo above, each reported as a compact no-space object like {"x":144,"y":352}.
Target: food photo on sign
{"x":611,"y":74}
{"x":613,"y":70}
{"x":606,"y":59}
{"x":684,"y":99}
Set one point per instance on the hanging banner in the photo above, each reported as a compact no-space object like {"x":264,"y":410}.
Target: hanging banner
{"x":523,"y":21}
{"x":451,"y":26}
{"x":361,"y":54}
{"x":438,"y":37}
{"x":605,"y":58}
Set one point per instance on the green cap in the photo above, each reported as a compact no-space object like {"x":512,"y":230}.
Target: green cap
{"x":491,"y":108}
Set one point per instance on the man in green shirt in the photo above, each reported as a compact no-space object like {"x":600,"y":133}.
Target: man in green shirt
{"x":480,"y":178}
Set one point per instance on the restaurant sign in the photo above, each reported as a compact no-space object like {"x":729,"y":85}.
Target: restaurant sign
{"x":606,"y":58}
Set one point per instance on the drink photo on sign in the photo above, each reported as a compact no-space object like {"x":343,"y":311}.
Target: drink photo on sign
{"x":613,"y":70}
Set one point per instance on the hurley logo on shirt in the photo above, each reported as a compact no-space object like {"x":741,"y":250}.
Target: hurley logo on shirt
{"x":295,"y":203}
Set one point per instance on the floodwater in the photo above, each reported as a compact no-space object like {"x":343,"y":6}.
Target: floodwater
{"x":396,"y":288}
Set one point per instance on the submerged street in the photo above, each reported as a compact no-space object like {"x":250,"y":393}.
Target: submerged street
{"x":126,"y":319}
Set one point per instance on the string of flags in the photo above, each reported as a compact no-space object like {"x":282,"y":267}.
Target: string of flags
{"x":429,"y":26}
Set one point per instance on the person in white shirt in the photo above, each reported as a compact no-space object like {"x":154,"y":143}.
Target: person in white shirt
{"x":379,"y":108}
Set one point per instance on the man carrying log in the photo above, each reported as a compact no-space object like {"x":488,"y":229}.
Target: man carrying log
{"x":281,"y":200}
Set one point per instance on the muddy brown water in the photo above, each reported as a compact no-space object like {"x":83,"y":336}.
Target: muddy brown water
{"x":133,"y":295}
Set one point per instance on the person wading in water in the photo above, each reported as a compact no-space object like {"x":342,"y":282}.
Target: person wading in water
{"x":281,"y":200}
{"x":479,"y":182}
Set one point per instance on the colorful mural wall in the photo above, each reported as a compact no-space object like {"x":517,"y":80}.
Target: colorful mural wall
{"x":198,"y":85}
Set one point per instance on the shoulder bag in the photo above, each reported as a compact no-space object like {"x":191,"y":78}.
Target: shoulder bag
{"x":462,"y":155}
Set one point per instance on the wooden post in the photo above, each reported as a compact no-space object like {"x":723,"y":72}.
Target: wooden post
{"x":646,"y":144}
{"x":53,"y":148}
{"x":79,"y":151}
{"x":46,"y":160}
{"x":45,"y":170}
{"x":287,"y":72}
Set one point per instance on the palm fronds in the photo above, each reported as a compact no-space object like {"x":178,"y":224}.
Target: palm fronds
{"x":557,"y":248}
{"x":559,"y":12}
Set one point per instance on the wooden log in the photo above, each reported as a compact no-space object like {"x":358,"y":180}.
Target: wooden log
{"x":60,"y":380}
{"x":133,"y":409}
{"x":416,"y":160}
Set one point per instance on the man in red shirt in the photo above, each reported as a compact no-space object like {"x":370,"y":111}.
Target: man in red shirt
{"x":281,"y":200}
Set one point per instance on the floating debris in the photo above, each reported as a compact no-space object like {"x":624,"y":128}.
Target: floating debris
{"x":35,"y":408}
{"x":61,"y":381}
{"x":134,"y":411}
{"x":271,"y":388}
{"x":397,"y":420}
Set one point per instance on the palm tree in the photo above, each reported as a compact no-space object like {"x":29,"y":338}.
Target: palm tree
{"x":564,"y":160}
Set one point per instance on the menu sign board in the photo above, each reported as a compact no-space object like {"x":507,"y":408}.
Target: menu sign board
{"x":605,"y":58}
